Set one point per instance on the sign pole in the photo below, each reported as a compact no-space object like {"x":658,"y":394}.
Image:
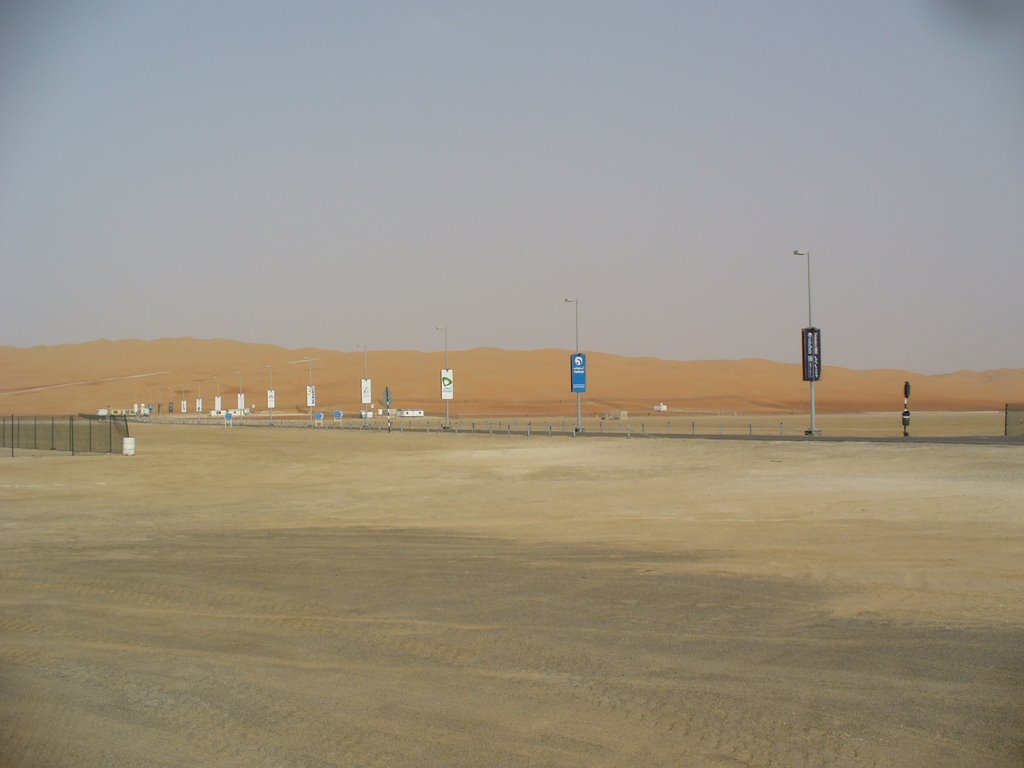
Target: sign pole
{"x":578,"y":371}
{"x":811,"y":375}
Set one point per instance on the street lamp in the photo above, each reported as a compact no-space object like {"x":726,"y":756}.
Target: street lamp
{"x":310,"y":392}
{"x":447,"y":413}
{"x":365,"y":388}
{"x":811,"y":375}
{"x":579,"y":395}
{"x":270,"y":388}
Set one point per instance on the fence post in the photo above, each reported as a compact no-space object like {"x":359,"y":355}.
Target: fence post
{"x":529,"y":428}
{"x":71,"y":433}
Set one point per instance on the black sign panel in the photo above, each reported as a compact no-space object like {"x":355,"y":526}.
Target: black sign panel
{"x":811,"y":342}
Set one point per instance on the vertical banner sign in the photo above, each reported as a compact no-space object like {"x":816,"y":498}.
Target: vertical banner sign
{"x":271,"y":399}
{"x":216,"y":403}
{"x":367,"y":392}
{"x":199,"y":405}
{"x":578,"y":368}
{"x":811,"y":338}
{"x":184,"y":406}
{"x":310,"y":397}
{"x":241,"y":401}
{"x":447,"y":384}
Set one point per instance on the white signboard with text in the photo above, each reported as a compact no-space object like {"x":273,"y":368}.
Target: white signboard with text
{"x":447,"y":384}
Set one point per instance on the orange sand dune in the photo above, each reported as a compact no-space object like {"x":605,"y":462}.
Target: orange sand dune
{"x":80,"y":378}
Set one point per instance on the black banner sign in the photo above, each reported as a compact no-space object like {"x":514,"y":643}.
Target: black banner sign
{"x":811,"y":343}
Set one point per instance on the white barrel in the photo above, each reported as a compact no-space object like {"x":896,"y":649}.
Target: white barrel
{"x":128,"y":445}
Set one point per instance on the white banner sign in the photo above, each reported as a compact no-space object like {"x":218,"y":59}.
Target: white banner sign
{"x":184,"y":406}
{"x":216,"y":403}
{"x":199,"y":405}
{"x":241,"y":401}
{"x":447,"y":384}
{"x":367,"y":396}
{"x":310,"y":397}
{"x":271,"y":399}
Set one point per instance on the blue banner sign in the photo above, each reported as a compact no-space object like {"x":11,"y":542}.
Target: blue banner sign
{"x":578,"y":366}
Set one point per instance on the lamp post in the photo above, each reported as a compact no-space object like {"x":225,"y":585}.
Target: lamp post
{"x":810,"y":324}
{"x":310,"y":392}
{"x":365,"y":388}
{"x":270,"y":388}
{"x":579,"y":395}
{"x":447,"y":413}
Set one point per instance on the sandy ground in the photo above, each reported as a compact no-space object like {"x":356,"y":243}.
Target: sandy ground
{"x":293,"y":597}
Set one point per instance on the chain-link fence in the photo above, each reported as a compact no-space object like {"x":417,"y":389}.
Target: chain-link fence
{"x":69,"y":434}
{"x":1014,"y":424}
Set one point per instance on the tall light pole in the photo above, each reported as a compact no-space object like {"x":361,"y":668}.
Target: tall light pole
{"x":310,"y":393}
{"x":447,"y":413}
{"x":270,"y":388}
{"x":579,"y":395}
{"x":810,"y":324}
{"x":365,"y":389}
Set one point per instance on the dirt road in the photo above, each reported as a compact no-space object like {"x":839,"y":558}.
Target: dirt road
{"x":273,"y":597}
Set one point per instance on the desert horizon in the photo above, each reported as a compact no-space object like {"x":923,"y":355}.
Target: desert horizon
{"x":84,"y":377}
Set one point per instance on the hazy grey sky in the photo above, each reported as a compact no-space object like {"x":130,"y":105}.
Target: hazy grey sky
{"x":341,"y":173}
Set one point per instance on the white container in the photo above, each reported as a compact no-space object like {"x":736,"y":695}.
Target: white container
{"x":128,"y":445}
